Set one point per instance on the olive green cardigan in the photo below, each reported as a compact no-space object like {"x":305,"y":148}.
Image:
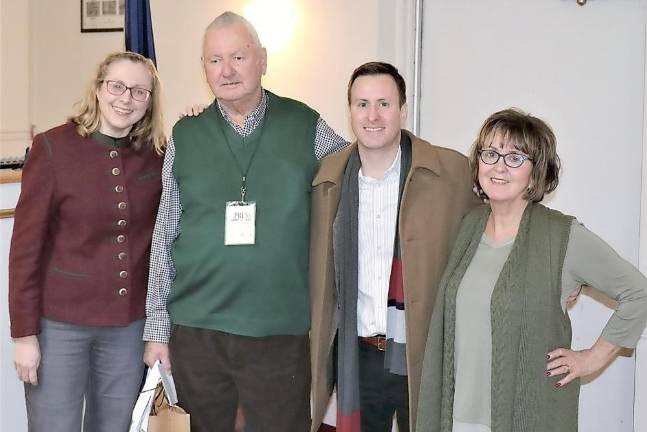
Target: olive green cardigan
{"x":527,"y":322}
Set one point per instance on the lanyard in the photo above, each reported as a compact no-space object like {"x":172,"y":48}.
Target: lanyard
{"x":243,"y":174}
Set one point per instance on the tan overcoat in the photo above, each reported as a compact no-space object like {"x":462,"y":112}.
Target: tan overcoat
{"x":437,"y":192}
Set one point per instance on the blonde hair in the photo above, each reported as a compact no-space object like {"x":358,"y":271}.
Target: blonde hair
{"x":148,"y":130}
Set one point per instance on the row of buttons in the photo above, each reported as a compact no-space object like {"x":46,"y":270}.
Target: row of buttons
{"x":121,"y":223}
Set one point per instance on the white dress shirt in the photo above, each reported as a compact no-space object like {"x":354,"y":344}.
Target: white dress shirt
{"x":377,"y":217}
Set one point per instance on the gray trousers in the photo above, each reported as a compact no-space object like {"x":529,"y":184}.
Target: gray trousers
{"x":102,"y":365}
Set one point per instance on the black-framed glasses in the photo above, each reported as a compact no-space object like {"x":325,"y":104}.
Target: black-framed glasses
{"x":513,"y":159}
{"x":118,"y":88}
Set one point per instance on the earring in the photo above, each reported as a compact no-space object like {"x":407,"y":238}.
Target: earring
{"x":476,"y":188}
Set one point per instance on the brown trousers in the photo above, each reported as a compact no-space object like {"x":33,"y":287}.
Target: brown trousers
{"x":268,"y":376}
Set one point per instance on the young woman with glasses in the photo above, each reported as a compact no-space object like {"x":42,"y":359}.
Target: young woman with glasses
{"x":498,"y":354}
{"x":78,"y":265}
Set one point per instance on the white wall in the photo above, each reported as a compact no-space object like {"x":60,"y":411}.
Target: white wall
{"x":640,"y":415}
{"x":582,"y":70}
{"x":313,"y":66}
{"x":14,"y":78}
{"x":63,"y":60}
{"x":327,"y":43}
{"x":1,"y":62}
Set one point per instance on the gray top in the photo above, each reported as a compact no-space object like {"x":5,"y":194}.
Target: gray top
{"x":589,"y":261}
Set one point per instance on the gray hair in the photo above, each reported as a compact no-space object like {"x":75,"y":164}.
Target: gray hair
{"x":229,"y":18}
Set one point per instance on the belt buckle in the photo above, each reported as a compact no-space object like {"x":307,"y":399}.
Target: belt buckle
{"x":381,"y":343}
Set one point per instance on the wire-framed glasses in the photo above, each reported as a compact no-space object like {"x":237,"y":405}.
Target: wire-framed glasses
{"x":513,"y":159}
{"x":118,"y":88}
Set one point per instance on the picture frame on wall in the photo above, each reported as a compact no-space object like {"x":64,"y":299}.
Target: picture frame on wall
{"x":102,"y":15}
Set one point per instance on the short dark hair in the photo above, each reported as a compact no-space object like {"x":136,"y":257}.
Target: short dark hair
{"x":380,"y":68}
{"x":528,"y":134}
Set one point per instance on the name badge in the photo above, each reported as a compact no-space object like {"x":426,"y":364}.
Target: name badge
{"x":240,"y":223}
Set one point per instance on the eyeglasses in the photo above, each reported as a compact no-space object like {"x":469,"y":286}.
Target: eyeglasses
{"x":118,"y":88}
{"x":513,"y":160}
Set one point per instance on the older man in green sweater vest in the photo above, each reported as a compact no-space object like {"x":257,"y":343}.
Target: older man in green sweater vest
{"x":228,"y":301}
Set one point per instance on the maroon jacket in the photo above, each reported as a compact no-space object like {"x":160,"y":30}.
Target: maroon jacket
{"x":82,"y":232}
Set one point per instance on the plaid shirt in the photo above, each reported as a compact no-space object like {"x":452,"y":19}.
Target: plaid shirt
{"x":167,"y":225}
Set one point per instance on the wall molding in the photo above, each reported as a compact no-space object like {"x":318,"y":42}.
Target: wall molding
{"x":14,"y":142}
{"x":15,"y":135}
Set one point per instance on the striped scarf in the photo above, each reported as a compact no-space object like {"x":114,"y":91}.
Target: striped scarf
{"x":345,"y":229}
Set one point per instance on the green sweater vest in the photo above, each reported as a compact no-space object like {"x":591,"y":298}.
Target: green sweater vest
{"x":251,"y":290}
{"x":527,"y":322}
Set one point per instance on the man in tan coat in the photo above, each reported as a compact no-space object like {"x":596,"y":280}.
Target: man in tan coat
{"x":385,"y":211}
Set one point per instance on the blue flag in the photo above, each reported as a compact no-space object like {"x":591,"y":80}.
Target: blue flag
{"x":139,"y":29}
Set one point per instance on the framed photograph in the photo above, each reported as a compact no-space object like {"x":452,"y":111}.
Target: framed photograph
{"x":102,"y":15}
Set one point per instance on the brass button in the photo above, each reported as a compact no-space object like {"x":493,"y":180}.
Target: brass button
{"x":122,"y":292}
{"x":121,"y":238}
{"x":121,"y":223}
{"x":119,"y":188}
{"x":122,"y":256}
{"x":123,"y":274}
{"x":121,"y":205}
{"x":116,"y":171}
{"x":113,"y":154}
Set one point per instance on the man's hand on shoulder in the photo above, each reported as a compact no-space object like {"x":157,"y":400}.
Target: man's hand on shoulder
{"x":192,"y":110}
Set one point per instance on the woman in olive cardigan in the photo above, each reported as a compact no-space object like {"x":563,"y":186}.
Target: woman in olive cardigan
{"x":498,"y":354}
{"x":78,"y":264}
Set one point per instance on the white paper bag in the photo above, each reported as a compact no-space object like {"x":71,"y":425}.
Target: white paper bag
{"x":141,"y":412}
